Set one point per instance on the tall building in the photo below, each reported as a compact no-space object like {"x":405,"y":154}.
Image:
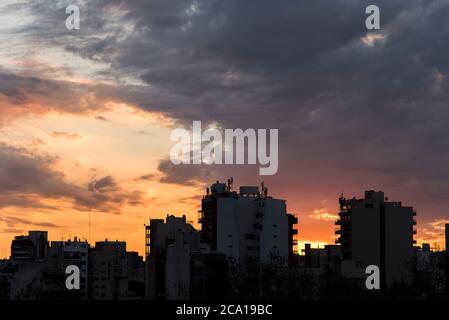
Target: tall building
{"x":246,"y":225}
{"x":447,"y":237}
{"x":170,"y":244}
{"x":375,"y":231}
{"x":136,"y":275}
{"x":108,"y":271}
{"x":71,"y":252}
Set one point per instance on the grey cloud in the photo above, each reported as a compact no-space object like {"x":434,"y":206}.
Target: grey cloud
{"x":103,"y":184}
{"x":27,"y":178}
{"x":377,"y":112}
{"x":147,"y":177}
{"x":12,"y":222}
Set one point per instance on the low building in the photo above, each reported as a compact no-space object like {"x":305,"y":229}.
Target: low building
{"x":32,"y":247}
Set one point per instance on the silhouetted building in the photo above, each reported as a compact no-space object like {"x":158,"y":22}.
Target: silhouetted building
{"x":374,"y":231}
{"x":426,"y":247}
{"x":31,"y":247}
{"x":21,"y":249}
{"x":447,"y":237}
{"x":168,"y":257}
{"x":208,"y":276}
{"x":6,"y":272}
{"x":136,"y":275}
{"x":246,"y":225}
{"x":26,"y":281}
{"x":108,"y":271}
{"x":321,"y":258}
{"x":72,"y":252}
{"x":292,"y":242}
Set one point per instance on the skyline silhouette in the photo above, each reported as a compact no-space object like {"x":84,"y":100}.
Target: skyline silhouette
{"x":86,"y":114}
{"x":245,"y":245}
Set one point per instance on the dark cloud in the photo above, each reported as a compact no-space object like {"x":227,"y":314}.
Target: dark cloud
{"x":351,"y":113}
{"x":12,"y":222}
{"x":182,"y":174}
{"x":26,"y":180}
{"x":147,"y":177}
{"x":101,"y":118}
{"x":22,"y":95}
{"x":102,"y":185}
{"x":201,"y":175}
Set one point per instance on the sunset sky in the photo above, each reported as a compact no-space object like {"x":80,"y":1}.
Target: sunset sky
{"x":85,"y":115}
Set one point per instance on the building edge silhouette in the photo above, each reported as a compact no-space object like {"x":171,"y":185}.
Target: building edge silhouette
{"x":243,"y":250}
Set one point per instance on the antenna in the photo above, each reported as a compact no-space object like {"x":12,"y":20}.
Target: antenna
{"x":89,"y":223}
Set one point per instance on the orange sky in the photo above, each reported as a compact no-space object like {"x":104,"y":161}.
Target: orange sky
{"x":127,"y":144}
{"x":62,"y":124}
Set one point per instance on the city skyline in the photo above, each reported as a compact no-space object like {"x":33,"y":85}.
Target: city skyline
{"x":196,"y":224}
{"x":86,"y":115}
{"x":245,"y":246}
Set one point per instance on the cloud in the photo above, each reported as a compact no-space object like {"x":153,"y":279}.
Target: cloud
{"x":355,"y":110}
{"x":27,"y":180}
{"x":146,"y":177}
{"x":180,"y":174}
{"x":22,"y":95}
{"x":102,"y":185}
{"x":200,"y":175}
{"x":433,"y":232}
{"x":66,"y":135}
{"x":101,"y":118}
{"x":12,"y":222}
{"x":322,"y":214}
{"x":13,"y":230}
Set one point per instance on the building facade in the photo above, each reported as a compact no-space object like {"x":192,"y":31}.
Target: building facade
{"x":170,"y":244}
{"x":108,"y":271}
{"x":246,"y":225}
{"x":375,"y":231}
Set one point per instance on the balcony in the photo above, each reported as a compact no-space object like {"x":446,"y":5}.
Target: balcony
{"x":292,"y":218}
{"x":337,"y":222}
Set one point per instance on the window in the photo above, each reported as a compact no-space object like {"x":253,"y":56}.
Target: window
{"x":250,"y":236}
